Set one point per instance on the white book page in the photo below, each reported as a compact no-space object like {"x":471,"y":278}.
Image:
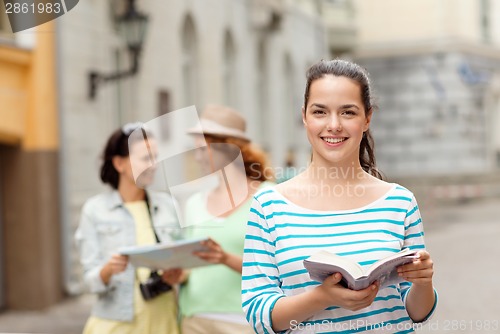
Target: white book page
{"x":324,"y":264}
{"x":404,"y":256}
{"x":178,"y":254}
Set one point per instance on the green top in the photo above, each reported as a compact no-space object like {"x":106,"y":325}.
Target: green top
{"x":214,"y":288}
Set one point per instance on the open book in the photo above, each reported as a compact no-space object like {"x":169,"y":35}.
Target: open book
{"x":177,"y":254}
{"x":323,"y":264}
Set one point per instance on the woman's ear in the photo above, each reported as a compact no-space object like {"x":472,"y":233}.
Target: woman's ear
{"x":303,"y":116}
{"x":368,"y":119}
{"x":118,"y":163}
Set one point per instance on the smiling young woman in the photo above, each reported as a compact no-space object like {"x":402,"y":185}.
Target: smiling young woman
{"x":339,"y":204}
{"x":335,"y":121}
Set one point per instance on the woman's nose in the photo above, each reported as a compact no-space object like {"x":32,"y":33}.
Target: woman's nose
{"x":334,"y":124}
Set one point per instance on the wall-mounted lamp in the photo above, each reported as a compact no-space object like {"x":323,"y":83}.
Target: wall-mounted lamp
{"x":132,"y":27}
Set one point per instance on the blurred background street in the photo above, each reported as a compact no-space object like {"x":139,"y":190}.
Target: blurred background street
{"x":463,"y":239}
{"x":464,"y":242}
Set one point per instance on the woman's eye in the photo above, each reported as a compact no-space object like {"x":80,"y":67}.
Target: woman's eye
{"x":318,"y":112}
{"x":349,"y":112}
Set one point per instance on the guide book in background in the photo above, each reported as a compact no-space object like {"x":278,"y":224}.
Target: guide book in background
{"x":177,"y":254}
{"x":323,"y":264}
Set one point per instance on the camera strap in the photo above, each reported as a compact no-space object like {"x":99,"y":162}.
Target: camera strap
{"x":146,"y":199}
{"x":151,"y":217}
{"x":153,"y":272}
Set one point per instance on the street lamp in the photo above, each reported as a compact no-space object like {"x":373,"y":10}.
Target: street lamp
{"x":132,"y":26}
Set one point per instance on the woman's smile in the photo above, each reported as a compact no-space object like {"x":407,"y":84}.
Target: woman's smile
{"x":334,"y":141}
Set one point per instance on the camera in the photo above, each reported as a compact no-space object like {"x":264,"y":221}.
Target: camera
{"x":154,"y":286}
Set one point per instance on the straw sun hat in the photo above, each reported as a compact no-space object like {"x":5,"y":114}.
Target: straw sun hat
{"x":221,"y":121}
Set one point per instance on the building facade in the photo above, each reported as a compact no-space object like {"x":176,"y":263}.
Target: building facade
{"x":249,"y":54}
{"x":30,"y":228}
{"x":436,"y":69}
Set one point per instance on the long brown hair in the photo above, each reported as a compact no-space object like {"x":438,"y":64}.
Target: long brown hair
{"x":254,"y":159}
{"x":343,"y":68}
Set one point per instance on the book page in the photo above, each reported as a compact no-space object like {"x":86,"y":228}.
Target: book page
{"x":385,"y":271}
{"x":328,"y":258}
{"x":177,"y":254}
{"x":323,"y":264}
{"x":393,"y":260}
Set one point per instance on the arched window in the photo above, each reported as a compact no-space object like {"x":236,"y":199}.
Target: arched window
{"x":229,"y":71}
{"x":189,"y":63}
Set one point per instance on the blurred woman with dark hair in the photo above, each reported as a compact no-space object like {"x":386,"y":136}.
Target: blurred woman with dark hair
{"x":128,"y":215}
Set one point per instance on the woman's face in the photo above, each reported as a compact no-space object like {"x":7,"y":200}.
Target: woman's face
{"x":202,"y":155}
{"x":215,"y":156}
{"x":140,"y":166}
{"x":335,"y":119}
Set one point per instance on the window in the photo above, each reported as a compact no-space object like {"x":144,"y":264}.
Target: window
{"x":164,"y":108}
{"x":189,"y":62}
{"x":493,"y":128}
{"x":485,"y":21}
{"x":262,"y":95}
{"x":229,"y":71}
{"x":5,"y":30}
{"x":292,"y":108}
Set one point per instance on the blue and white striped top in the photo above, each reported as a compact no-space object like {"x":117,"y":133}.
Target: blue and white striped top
{"x":281,"y":234}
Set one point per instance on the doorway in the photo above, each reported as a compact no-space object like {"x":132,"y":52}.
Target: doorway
{"x":2,"y":243}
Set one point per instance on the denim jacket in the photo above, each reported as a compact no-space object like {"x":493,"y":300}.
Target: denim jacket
{"x":107,"y":225}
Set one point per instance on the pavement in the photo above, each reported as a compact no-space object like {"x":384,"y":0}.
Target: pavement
{"x":462,"y":237}
{"x":67,"y":317}
{"x":464,"y":242}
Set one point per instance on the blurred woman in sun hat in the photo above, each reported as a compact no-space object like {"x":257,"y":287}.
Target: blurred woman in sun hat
{"x":210,"y":298}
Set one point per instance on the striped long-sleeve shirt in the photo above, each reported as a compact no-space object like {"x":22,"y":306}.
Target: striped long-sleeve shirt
{"x":281,"y":234}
